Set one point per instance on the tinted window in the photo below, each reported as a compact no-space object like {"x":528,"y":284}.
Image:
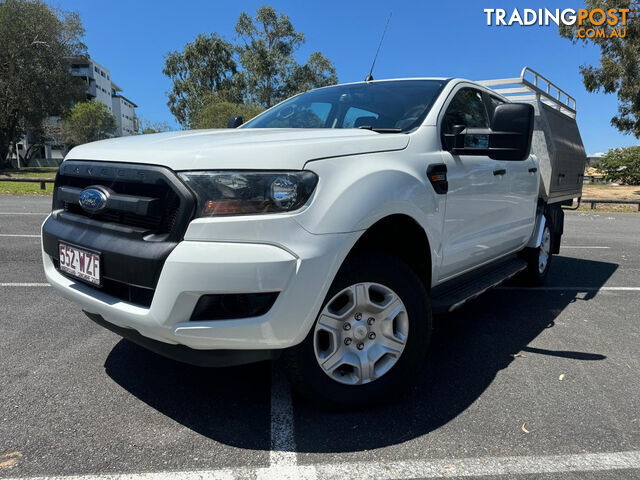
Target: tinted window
{"x":493,"y":103}
{"x":467,"y":108}
{"x":357,"y":117}
{"x":311,"y":115}
{"x":400,"y":104}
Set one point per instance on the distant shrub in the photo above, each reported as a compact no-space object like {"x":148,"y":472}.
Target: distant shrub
{"x":621,"y":165}
{"x":216,"y":114}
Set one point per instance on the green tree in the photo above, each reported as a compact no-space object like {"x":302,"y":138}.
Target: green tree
{"x":270,"y":70}
{"x":317,"y":72}
{"x":261,"y":70}
{"x":621,"y":165}
{"x":87,"y":122}
{"x":619,"y":70}
{"x":35,"y":46}
{"x":147,"y":127}
{"x":48,"y":132}
{"x":205,"y":66}
{"x":216,"y":113}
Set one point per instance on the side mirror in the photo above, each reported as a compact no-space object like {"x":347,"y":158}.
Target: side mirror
{"x":455,"y":139}
{"x":511,"y":131}
{"x":509,"y":137}
{"x":234,"y":122}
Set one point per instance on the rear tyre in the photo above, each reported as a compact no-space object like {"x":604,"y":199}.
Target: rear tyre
{"x":370,"y":337}
{"x":539,"y":259}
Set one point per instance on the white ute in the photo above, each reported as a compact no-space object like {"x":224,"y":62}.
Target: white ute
{"x":324,"y":232}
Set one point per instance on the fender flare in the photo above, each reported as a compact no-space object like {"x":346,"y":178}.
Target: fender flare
{"x":538,"y":230}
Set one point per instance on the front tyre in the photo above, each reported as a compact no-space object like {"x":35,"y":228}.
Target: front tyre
{"x":369,"y":338}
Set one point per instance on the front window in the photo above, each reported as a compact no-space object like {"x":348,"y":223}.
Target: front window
{"x":395,"y":105}
{"x":467,"y":109}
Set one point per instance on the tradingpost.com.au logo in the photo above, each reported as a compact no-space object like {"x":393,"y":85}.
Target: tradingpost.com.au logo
{"x":595,"y":23}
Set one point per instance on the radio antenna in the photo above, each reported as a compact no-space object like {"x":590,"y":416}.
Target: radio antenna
{"x":370,"y":76}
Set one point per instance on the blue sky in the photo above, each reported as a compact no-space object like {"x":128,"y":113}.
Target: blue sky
{"x":425,"y":38}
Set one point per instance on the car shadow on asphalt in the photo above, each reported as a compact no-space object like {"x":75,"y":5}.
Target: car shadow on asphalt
{"x":469,"y":348}
{"x":230,"y":405}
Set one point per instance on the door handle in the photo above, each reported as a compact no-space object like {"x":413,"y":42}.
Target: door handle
{"x":533,"y":170}
{"x":500,"y":171}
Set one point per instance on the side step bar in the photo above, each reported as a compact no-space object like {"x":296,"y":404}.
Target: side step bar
{"x":454,"y":293}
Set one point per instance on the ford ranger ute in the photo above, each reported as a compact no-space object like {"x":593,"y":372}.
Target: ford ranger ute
{"x":324,"y":232}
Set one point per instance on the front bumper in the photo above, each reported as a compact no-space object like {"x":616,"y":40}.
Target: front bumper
{"x":295,"y":263}
{"x":182,"y":353}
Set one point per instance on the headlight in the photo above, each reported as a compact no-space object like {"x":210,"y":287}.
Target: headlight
{"x":249,"y":192}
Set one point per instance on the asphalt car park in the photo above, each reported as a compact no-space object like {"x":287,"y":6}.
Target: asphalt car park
{"x":542,"y":382}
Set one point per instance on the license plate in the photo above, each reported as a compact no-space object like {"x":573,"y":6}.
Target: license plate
{"x":80,"y":263}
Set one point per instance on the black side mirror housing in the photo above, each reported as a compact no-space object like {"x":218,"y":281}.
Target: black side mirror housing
{"x":512,"y":131}
{"x":509,"y":137}
{"x":234,"y":122}
{"x":455,"y":139}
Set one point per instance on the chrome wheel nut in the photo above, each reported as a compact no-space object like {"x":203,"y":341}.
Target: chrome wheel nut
{"x":360,"y":346}
{"x":358,"y":316}
{"x":372,"y":335}
{"x":347,"y":341}
{"x":347,"y":326}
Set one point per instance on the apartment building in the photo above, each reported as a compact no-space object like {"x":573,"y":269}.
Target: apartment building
{"x":97,"y":78}
{"x":102,"y":88}
{"x":124,"y":111}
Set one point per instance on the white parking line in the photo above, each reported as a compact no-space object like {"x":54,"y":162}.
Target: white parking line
{"x":24,"y":213}
{"x":576,"y":289}
{"x":282,"y":457}
{"x":24,"y":285}
{"x":402,"y":470}
{"x":581,"y":246}
{"x":18,"y":235}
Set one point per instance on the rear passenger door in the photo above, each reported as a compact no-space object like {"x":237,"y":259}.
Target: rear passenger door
{"x":522,"y":197}
{"x":476,"y":216}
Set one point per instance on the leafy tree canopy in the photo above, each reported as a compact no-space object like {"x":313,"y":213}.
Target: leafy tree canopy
{"x":216,"y":113}
{"x":87,"y":122}
{"x":271,"y":72}
{"x":317,"y":72}
{"x":260,"y":70}
{"x":147,"y":126}
{"x":619,"y":69}
{"x":204,"y":66}
{"x":36,"y":44}
{"x":621,"y":165}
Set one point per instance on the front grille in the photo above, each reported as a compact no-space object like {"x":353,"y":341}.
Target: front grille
{"x":160,"y":223}
{"x":146,"y":215}
{"x":161,"y":219}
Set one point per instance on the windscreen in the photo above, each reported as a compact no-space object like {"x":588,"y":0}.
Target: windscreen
{"x":397,"y":104}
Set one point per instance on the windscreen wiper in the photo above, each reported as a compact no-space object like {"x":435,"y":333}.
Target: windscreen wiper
{"x":381,"y":130}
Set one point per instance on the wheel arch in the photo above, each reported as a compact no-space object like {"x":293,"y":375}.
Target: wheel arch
{"x":413,"y":248}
